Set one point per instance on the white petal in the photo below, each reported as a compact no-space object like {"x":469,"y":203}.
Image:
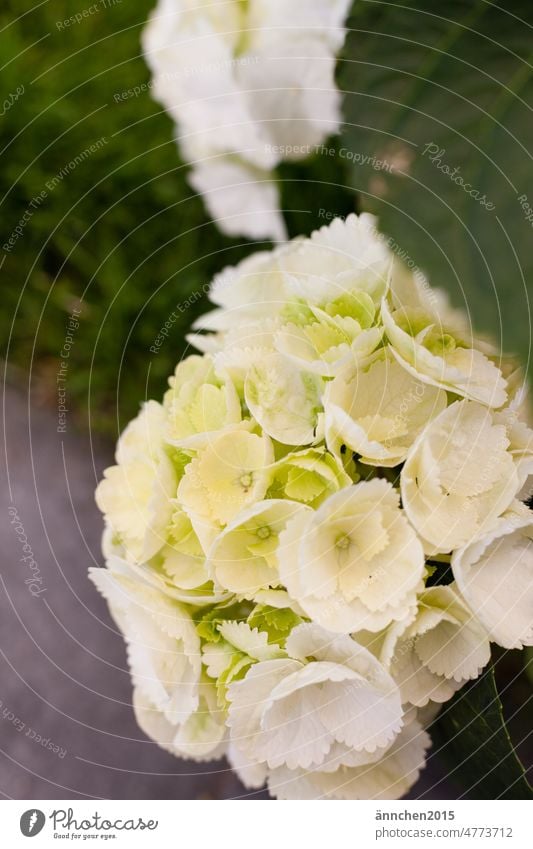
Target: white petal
{"x":389,"y":778}
{"x":495,"y":576}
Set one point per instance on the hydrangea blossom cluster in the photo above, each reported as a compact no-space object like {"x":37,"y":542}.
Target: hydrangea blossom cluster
{"x":313,"y":539}
{"x":248,"y":85}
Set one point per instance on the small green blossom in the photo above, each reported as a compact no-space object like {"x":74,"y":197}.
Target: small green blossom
{"x":308,"y":476}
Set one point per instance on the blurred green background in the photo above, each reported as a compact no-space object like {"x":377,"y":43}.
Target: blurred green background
{"x":122,"y":232}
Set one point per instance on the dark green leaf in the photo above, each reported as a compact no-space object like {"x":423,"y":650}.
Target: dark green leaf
{"x":456,"y":76}
{"x":471,"y":733}
{"x":313,"y":191}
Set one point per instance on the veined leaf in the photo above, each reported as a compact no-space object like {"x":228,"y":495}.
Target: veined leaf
{"x":441,"y":97}
{"x":471,"y":733}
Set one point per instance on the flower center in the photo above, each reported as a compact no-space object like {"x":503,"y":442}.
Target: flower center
{"x":343,"y":542}
{"x":246,"y":481}
{"x":264,"y":532}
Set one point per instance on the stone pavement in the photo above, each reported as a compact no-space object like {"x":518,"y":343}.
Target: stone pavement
{"x":66,"y":725}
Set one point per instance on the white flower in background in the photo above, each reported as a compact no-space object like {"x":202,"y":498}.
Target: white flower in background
{"x":435,"y":650}
{"x":355,"y":563}
{"x":387,"y":776}
{"x":241,"y":199}
{"x":378,"y":410}
{"x":248,"y":85}
{"x":442,"y":355}
{"x":495,"y":576}
{"x":459,"y":476}
{"x":266,"y":526}
{"x":135,"y":495}
{"x":329,"y":698}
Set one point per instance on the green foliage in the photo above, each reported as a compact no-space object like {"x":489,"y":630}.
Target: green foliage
{"x":471,"y":733}
{"x":314,"y":190}
{"x":235,"y":671}
{"x":120,"y":231}
{"x":276,"y":622}
{"x":456,"y":77}
{"x":208,"y":622}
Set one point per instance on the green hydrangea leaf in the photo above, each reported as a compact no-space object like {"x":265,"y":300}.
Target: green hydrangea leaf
{"x":207,"y":625}
{"x":435,"y":142}
{"x":235,"y":671}
{"x":471,"y":733}
{"x":277,"y":623}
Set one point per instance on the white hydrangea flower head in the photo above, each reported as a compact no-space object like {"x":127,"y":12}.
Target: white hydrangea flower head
{"x":355,"y":563}
{"x":459,"y":476}
{"x":280,"y":531}
{"x":248,"y":85}
{"x":495,"y":576}
{"x":294,"y":712}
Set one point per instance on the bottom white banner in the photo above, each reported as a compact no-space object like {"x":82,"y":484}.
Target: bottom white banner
{"x":279,"y":825}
